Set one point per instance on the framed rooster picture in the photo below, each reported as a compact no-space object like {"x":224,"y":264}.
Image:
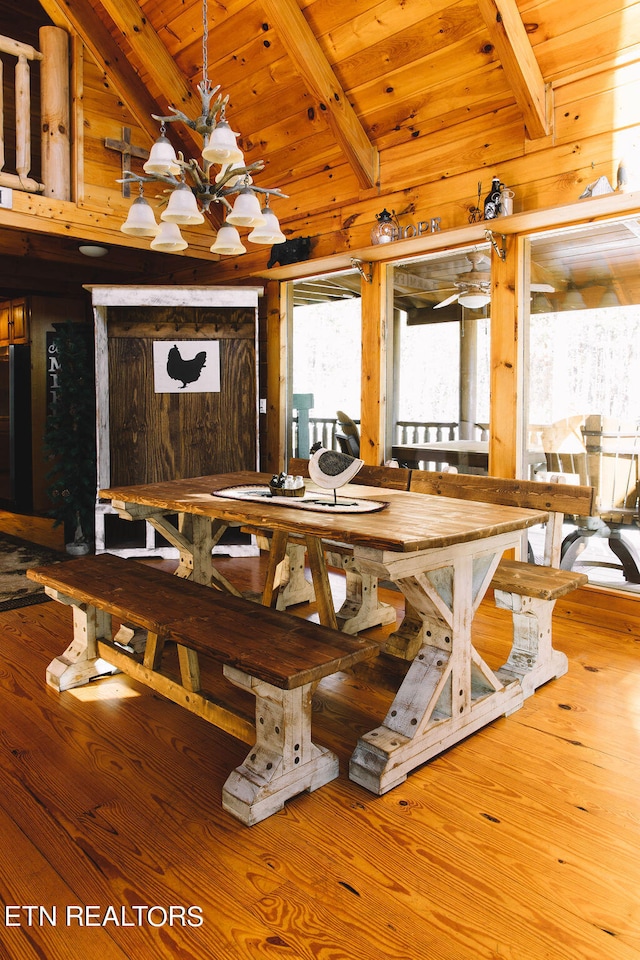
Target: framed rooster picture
{"x":186,"y":366}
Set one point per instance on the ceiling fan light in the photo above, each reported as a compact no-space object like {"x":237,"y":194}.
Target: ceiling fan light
{"x":246,"y":210}
{"x":573,"y":299}
{"x":222,"y":146}
{"x":227,"y":242}
{"x":269,"y":232}
{"x":182,"y":207}
{"x":162,"y":159}
{"x":169,"y":238}
{"x":140,"y":221}
{"x":473,"y":301}
{"x":609,"y":298}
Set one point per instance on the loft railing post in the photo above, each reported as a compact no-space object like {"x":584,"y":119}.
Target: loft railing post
{"x":23,"y":117}
{"x":55,"y":113}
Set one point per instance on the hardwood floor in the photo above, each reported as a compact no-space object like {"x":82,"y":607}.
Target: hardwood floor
{"x":520,"y":843}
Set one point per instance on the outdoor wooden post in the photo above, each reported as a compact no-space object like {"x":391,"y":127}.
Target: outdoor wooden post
{"x":55,"y":113}
{"x":373,"y":403}
{"x":277,"y":297}
{"x":506,"y":365}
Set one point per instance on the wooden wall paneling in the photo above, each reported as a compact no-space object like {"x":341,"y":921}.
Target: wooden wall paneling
{"x":158,"y":436}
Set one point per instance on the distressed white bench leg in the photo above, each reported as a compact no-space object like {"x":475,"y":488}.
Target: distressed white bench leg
{"x":284,"y":761}
{"x":361,"y":608}
{"x":80,"y":663}
{"x":532,"y":659}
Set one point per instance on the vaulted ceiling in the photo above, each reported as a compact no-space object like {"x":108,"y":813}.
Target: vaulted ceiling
{"x":322,"y":89}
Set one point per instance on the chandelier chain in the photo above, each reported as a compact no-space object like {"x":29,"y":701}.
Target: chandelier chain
{"x":205,"y":44}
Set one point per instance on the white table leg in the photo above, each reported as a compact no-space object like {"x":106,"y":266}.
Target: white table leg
{"x":449,"y":691}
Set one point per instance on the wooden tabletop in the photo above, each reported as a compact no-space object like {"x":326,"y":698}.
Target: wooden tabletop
{"x":410,"y":522}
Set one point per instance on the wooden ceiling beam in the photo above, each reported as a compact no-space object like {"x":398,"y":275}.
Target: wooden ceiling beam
{"x":152,"y":57}
{"x":311,"y":63}
{"x":509,"y":37}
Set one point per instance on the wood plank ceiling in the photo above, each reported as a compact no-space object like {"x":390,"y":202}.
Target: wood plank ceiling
{"x":322,"y":88}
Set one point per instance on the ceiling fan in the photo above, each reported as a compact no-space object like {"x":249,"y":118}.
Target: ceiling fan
{"x":473,"y":287}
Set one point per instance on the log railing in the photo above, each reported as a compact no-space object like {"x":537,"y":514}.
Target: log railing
{"x":53,"y":111}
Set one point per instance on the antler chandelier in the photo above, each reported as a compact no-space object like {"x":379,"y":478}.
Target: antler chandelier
{"x":195,"y":185}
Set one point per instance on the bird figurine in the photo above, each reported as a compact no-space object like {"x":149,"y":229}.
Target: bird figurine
{"x":331,"y":469}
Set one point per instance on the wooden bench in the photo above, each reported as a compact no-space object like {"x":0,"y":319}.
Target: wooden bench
{"x":361,"y":608}
{"x":277,"y":657}
{"x":528,"y":590}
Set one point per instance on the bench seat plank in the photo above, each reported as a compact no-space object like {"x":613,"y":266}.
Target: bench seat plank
{"x":529,"y":579}
{"x":281,"y":649}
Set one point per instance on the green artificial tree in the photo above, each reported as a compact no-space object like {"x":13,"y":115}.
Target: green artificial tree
{"x":70,"y":439}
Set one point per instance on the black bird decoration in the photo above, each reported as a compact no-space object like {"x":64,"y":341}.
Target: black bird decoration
{"x":186,"y":371}
{"x":331,"y":469}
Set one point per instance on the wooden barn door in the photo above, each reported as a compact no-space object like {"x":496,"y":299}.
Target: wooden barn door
{"x":176,"y":383}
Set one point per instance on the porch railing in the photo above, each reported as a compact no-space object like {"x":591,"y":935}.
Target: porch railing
{"x":323,"y":429}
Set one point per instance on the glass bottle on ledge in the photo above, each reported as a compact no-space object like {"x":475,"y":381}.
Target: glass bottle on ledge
{"x":492,"y":201}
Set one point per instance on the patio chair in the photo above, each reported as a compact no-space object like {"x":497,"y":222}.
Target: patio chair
{"x":606,"y":455}
{"x":348,"y":435}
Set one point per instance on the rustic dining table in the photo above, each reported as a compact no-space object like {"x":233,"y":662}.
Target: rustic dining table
{"x":441,"y":553}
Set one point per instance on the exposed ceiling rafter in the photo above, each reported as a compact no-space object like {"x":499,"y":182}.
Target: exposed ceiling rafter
{"x":81,"y":17}
{"x":509,"y":37}
{"x":153,"y":57}
{"x":310,"y":61}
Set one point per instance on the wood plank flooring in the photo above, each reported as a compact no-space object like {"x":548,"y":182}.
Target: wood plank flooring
{"x":519,"y":844}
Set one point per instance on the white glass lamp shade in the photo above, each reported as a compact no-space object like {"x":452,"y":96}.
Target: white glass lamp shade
{"x":222,"y":146}
{"x":270,"y":231}
{"x":141,"y":221}
{"x":246,"y":210}
{"x":162,"y":158}
{"x":169,"y":238}
{"x":227,"y":242}
{"x":473,"y":301}
{"x":182,"y":207}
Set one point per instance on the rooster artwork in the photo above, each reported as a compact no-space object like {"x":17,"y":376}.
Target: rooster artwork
{"x":185,"y":371}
